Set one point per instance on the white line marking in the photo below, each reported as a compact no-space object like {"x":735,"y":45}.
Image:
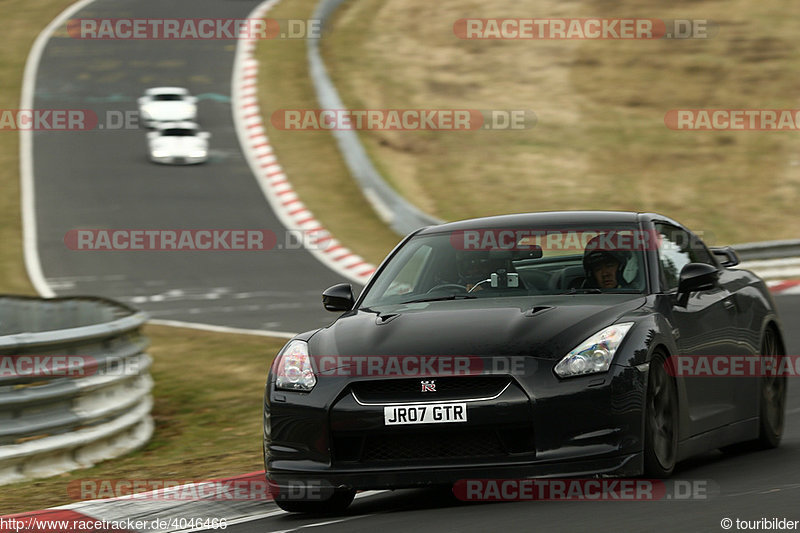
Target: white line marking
{"x":326,"y":523}
{"x":221,"y":329}
{"x":27,"y":188}
{"x":244,"y":519}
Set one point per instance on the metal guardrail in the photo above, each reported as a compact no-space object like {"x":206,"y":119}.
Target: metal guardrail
{"x":768,"y":250}
{"x":773,"y":261}
{"x":83,"y":394}
{"x":402,"y":216}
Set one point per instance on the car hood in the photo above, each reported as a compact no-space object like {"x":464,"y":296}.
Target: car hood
{"x":543,"y":326}
{"x":169,"y":111}
{"x":182,"y":146}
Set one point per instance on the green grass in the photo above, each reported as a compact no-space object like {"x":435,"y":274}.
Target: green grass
{"x":23,"y":20}
{"x":208,"y":395}
{"x":600,"y":141}
{"x":311,"y":158}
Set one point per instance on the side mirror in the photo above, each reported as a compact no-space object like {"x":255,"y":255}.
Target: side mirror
{"x":726,"y":256}
{"x":338,"y":298}
{"x":697,"y":277}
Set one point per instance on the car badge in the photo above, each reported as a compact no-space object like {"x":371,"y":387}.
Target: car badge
{"x":428,"y":386}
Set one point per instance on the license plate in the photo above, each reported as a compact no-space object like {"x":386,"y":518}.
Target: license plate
{"x":424,"y":414}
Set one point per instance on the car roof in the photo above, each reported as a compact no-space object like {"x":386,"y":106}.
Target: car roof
{"x":544,"y":218}
{"x":166,"y":90}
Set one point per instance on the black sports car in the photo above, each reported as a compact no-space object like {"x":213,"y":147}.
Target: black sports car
{"x":524,"y":346}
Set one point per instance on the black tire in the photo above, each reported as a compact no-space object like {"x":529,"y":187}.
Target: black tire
{"x":336,"y":504}
{"x":772,"y":396}
{"x":661,"y":421}
{"x":771,"y":403}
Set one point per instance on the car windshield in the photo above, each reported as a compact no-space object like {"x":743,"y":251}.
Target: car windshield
{"x":497,"y":263}
{"x":167,"y":97}
{"x":178,"y":132}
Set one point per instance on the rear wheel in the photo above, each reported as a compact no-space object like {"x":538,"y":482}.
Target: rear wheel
{"x":337,"y":503}
{"x":771,"y":400}
{"x":661,"y":421}
{"x":772,"y":395}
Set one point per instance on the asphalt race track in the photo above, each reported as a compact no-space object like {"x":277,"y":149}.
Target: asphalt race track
{"x":103,"y":179}
{"x":750,"y":486}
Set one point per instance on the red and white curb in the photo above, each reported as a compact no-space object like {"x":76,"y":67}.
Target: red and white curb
{"x":272,"y":179}
{"x":784,"y":287}
{"x":181,"y":508}
{"x":160,"y":511}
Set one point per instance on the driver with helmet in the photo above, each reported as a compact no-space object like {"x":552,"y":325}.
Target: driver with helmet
{"x":603,"y":265}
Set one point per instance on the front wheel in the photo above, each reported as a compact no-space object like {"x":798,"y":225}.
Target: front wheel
{"x":337,"y":503}
{"x":661,"y":421}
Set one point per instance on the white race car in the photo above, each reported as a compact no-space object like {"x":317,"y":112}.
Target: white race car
{"x":178,"y":143}
{"x":166,"y":104}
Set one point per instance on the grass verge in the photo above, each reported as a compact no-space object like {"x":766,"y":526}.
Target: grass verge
{"x":24,"y":19}
{"x":311,"y":159}
{"x":208,"y":394}
{"x":600,"y":141}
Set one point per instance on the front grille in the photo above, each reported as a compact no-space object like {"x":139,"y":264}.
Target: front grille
{"x":448,"y":388}
{"x":425,"y":446}
{"x":473,"y":443}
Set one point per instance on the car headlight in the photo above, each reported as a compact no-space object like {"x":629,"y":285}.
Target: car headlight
{"x":198,"y":153}
{"x":293,"y":368}
{"x":160,"y":153}
{"x":594,"y":354}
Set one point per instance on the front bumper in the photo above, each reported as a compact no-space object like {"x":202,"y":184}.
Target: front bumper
{"x":542,"y":427}
{"x":179,"y":160}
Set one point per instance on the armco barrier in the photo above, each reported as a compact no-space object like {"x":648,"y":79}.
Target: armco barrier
{"x":52,"y":422}
{"x":774,"y":261}
{"x":402,"y":216}
{"x":768,"y":250}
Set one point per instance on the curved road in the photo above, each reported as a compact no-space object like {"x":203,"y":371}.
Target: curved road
{"x":103,"y":179}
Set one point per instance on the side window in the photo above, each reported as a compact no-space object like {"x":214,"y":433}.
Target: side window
{"x":677,"y":249}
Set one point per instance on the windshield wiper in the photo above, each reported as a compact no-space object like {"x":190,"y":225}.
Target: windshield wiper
{"x":440,"y":298}
{"x":583,"y":290}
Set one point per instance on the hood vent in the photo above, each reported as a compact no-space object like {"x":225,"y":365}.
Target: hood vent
{"x":537,"y":310}
{"x":383,"y":319}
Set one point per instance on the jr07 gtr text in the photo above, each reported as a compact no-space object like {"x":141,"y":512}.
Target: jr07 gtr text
{"x":524,"y":346}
